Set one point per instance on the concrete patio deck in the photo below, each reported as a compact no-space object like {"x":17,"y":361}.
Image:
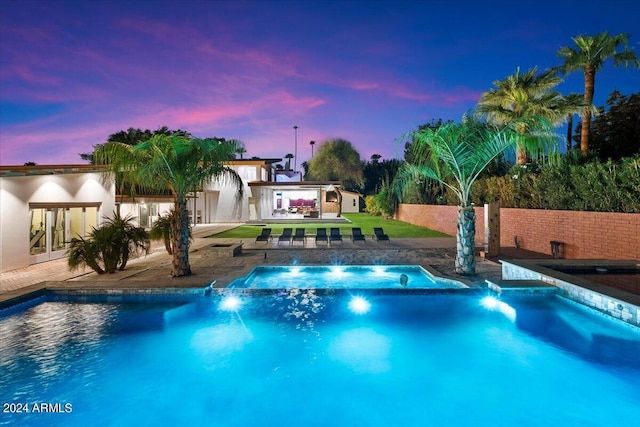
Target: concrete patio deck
{"x":153,"y":271}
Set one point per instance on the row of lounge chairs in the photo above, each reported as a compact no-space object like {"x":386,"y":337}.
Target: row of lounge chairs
{"x":321,"y":235}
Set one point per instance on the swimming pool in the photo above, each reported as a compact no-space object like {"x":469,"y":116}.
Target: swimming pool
{"x":343,"y":276}
{"x":318,"y":358}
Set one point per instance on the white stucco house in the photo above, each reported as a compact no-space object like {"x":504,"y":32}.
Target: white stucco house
{"x":267,"y":195}
{"x":43,"y":207}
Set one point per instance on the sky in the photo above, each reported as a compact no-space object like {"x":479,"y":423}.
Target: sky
{"x":74,"y":72}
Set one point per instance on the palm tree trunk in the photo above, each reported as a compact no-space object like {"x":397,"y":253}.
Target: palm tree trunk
{"x":180,"y":225}
{"x":466,"y":245}
{"x":569,"y":132}
{"x":589,"y":83}
{"x":339,"y":194}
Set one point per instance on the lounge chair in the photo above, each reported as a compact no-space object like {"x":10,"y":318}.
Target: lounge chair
{"x":298,"y":236}
{"x":285,"y":236}
{"x":379,"y":235}
{"x":356,"y":235}
{"x":265,"y":235}
{"x":321,"y":235}
{"x":335,"y":235}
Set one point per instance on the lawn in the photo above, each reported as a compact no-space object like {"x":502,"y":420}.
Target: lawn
{"x":365,"y":221}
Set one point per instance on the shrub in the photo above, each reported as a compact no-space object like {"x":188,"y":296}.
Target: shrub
{"x":109,"y":246}
{"x":371,"y":205}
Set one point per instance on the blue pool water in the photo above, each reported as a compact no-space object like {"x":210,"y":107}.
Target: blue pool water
{"x":306,"y":358}
{"x":341,"y":276}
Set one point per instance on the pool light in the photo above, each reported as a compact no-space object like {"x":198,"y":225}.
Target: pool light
{"x":494,"y":304}
{"x":359,"y":305}
{"x":378,"y":270}
{"x":230,"y":303}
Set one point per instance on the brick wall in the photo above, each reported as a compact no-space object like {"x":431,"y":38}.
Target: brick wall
{"x":439,"y":218}
{"x":587,"y":235}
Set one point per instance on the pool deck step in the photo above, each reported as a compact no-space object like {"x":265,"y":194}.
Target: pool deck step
{"x":521,"y":286}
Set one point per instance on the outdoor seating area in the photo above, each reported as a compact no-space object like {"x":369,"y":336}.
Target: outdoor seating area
{"x":323,"y":236}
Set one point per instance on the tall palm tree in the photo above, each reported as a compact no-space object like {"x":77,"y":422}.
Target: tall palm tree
{"x":181,"y":164}
{"x":455,"y":155}
{"x":589,"y":55}
{"x":528,"y":102}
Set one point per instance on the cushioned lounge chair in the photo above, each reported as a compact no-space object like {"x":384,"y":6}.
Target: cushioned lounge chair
{"x":321,"y":235}
{"x":379,"y":235}
{"x":285,"y":236}
{"x":265,"y":235}
{"x":356,"y":235}
{"x":335,"y":235}
{"x":298,"y":236}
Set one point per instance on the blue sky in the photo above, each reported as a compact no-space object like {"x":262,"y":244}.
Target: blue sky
{"x":73,"y":72}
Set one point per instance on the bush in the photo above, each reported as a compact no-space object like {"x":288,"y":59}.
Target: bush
{"x":567,"y":184}
{"x":371,"y":206}
{"x":109,"y":246}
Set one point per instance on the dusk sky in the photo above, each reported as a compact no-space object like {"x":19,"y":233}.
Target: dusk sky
{"x":73,"y":72}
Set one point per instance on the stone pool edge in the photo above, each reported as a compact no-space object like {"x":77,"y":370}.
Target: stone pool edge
{"x":618,"y":304}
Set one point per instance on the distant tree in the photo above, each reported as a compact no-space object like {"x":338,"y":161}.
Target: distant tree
{"x":589,"y":55}
{"x":338,"y":160}
{"x":455,"y":155}
{"x":179,"y":163}
{"x":240,"y":147}
{"x":376,"y":172}
{"x":288,"y":156}
{"x":615,"y":133}
{"x":30,"y":164}
{"x":132,"y":137}
{"x":528,"y":103}
{"x":305,"y":168}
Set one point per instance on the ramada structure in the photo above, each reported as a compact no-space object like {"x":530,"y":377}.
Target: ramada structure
{"x":44,"y":207}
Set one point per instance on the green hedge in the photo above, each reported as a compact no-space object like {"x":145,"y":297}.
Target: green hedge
{"x":593,"y":186}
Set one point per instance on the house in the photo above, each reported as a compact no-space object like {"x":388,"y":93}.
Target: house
{"x":267,"y":195}
{"x":43,"y":207}
{"x":350,"y":201}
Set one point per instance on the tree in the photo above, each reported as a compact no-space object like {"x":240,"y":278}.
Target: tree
{"x":337,"y":160}
{"x":179,"y":163}
{"x":528,"y":102}
{"x":589,"y":55}
{"x":240,"y":147}
{"x":109,"y":246}
{"x":615,"y":133}
{"x":132,"y":137}
{"x":288,"y":156}
{"x":376,"y":172}
{"x":455,"y":155}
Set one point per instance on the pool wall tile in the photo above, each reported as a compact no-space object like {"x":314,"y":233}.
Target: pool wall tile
{"x":576,"y":289}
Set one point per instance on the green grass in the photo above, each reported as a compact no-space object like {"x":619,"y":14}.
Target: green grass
{"x":365,"y":221}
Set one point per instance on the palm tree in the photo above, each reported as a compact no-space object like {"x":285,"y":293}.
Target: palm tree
{"x":455,"y":155}
{"x":240,"y":147}
{"x":181,"y":164}
{"x":109,"y":246}
{"x":589,"y":55}
{"x":129,"y":237}
{"x":288,"y":156}
{"x":528,"y":102}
